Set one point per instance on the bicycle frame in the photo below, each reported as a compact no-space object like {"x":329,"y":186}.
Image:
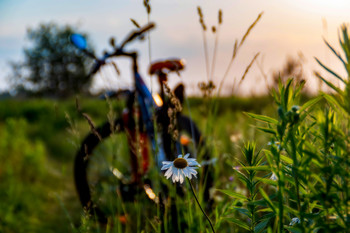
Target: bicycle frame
{"x":147,"y":106}
{"x":150,"y":114}
{"x":144,"y":97}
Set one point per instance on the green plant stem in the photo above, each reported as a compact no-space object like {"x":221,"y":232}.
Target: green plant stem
{"x":280,"y":204}
{"x":195,"y":196}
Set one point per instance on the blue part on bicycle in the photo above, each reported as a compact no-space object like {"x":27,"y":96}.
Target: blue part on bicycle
{"x":79,"y":41}
{"x":107,"y":94}
{"x":145,"y":93}
{"x":146,"y":115}
{"x":105,"y":56}
{"x":158,"y":148}
{"x":147,"y":103}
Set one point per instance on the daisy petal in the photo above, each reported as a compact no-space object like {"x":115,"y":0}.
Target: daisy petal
{"x":174,"y":174}
{"x":185,"y":171}
{"x":178,"y":175}
{"x":169,"y":172}
{"x":166,"y":166}
{"x":193,"y":162}
{"x":181,"y":177}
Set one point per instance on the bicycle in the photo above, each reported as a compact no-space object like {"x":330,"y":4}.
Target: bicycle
{"x":136,"y":129}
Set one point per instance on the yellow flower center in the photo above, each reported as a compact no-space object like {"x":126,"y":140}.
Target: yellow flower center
{"x":180,"y":163}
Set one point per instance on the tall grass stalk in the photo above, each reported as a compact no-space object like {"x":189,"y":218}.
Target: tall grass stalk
{"x":205,"y":44}
{"x":216,"y":30}
{"x":236,"y":48}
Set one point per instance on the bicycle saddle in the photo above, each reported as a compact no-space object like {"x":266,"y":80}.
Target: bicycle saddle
{"x":169,"y":65}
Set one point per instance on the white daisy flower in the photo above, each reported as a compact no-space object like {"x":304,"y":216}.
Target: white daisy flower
{"x":294,"y":221}
{"x":273,"y":177}
{"x":180,"y":168}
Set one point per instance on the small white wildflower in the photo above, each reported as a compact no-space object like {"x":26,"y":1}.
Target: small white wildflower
{"x":294,"y":221}
{"x":273,"y":177}
{"x":275,"y":143}
{"x":180,"y":168}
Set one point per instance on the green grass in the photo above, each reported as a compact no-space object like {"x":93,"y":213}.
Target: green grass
{"x":38,"y":144}
{"x":39,"y":139}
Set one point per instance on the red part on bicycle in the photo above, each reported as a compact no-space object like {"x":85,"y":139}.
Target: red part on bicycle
{"x":137,"y":140}
{"x":170,"y":65}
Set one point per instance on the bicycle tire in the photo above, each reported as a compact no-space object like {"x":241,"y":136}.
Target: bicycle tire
{"x":81,"y":163}
{"x":92,"y":140}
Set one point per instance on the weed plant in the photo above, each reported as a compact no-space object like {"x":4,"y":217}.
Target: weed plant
{"x":301,"y":184}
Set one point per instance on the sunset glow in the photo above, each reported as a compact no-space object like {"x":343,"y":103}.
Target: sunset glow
{"x":286,"y":28}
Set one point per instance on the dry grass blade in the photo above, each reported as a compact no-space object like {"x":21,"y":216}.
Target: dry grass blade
{"x":147,"y":6}
{"x":77,"y":104}
{"x":135,"y":23}
{"x":201,"y":18}
{"x":234,"y":50}
{"x":92,"y":126}
{"x":250,"y":28}
{"x":215,"y":30}
{"x":116,"y":68}
{"x":199,"y":12}
{"x":205,"y":46}
{"x":248,"y":67}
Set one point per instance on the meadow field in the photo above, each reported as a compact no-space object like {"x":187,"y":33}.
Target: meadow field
{"x":40,"y":137}
{"x":274,"y":163}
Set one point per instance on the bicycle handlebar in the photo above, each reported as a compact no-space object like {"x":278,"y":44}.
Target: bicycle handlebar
{"x":118,"y":50}
{"x":137,"y":33}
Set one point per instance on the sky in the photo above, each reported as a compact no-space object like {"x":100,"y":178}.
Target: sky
{"x":287,"y":28}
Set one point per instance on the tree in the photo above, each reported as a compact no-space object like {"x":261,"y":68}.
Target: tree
{"x":52,"y":65}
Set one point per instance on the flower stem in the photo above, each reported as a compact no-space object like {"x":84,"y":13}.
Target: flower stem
{"x":195,"y":196}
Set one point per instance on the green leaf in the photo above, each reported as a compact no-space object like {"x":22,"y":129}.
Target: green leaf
{"x":242,"y":177}
{"x":336,"y":53}
{"x":262,"y":118}
{"x":286,"y":159}
{"x":269,"y":181}
{"x":330,"y":71}
{"x":258,"y":168}
{"x":290,"y":210}
{"x":293,"y":229}
{"x":258,"y":228}
{"x":243,"y":211}
{"x":264,"y":210}
{"x":335,"y":104}
{"x":267,"y":130}
{"x":268,"y":200}
{"x":310,"y":103}
{"x":233,"y":194}
{"x":239,"y":223}
{"x":331,"y":85}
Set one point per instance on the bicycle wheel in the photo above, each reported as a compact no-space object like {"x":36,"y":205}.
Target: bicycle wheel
{"x":103,"y":166}
{"x":104,"y":170}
